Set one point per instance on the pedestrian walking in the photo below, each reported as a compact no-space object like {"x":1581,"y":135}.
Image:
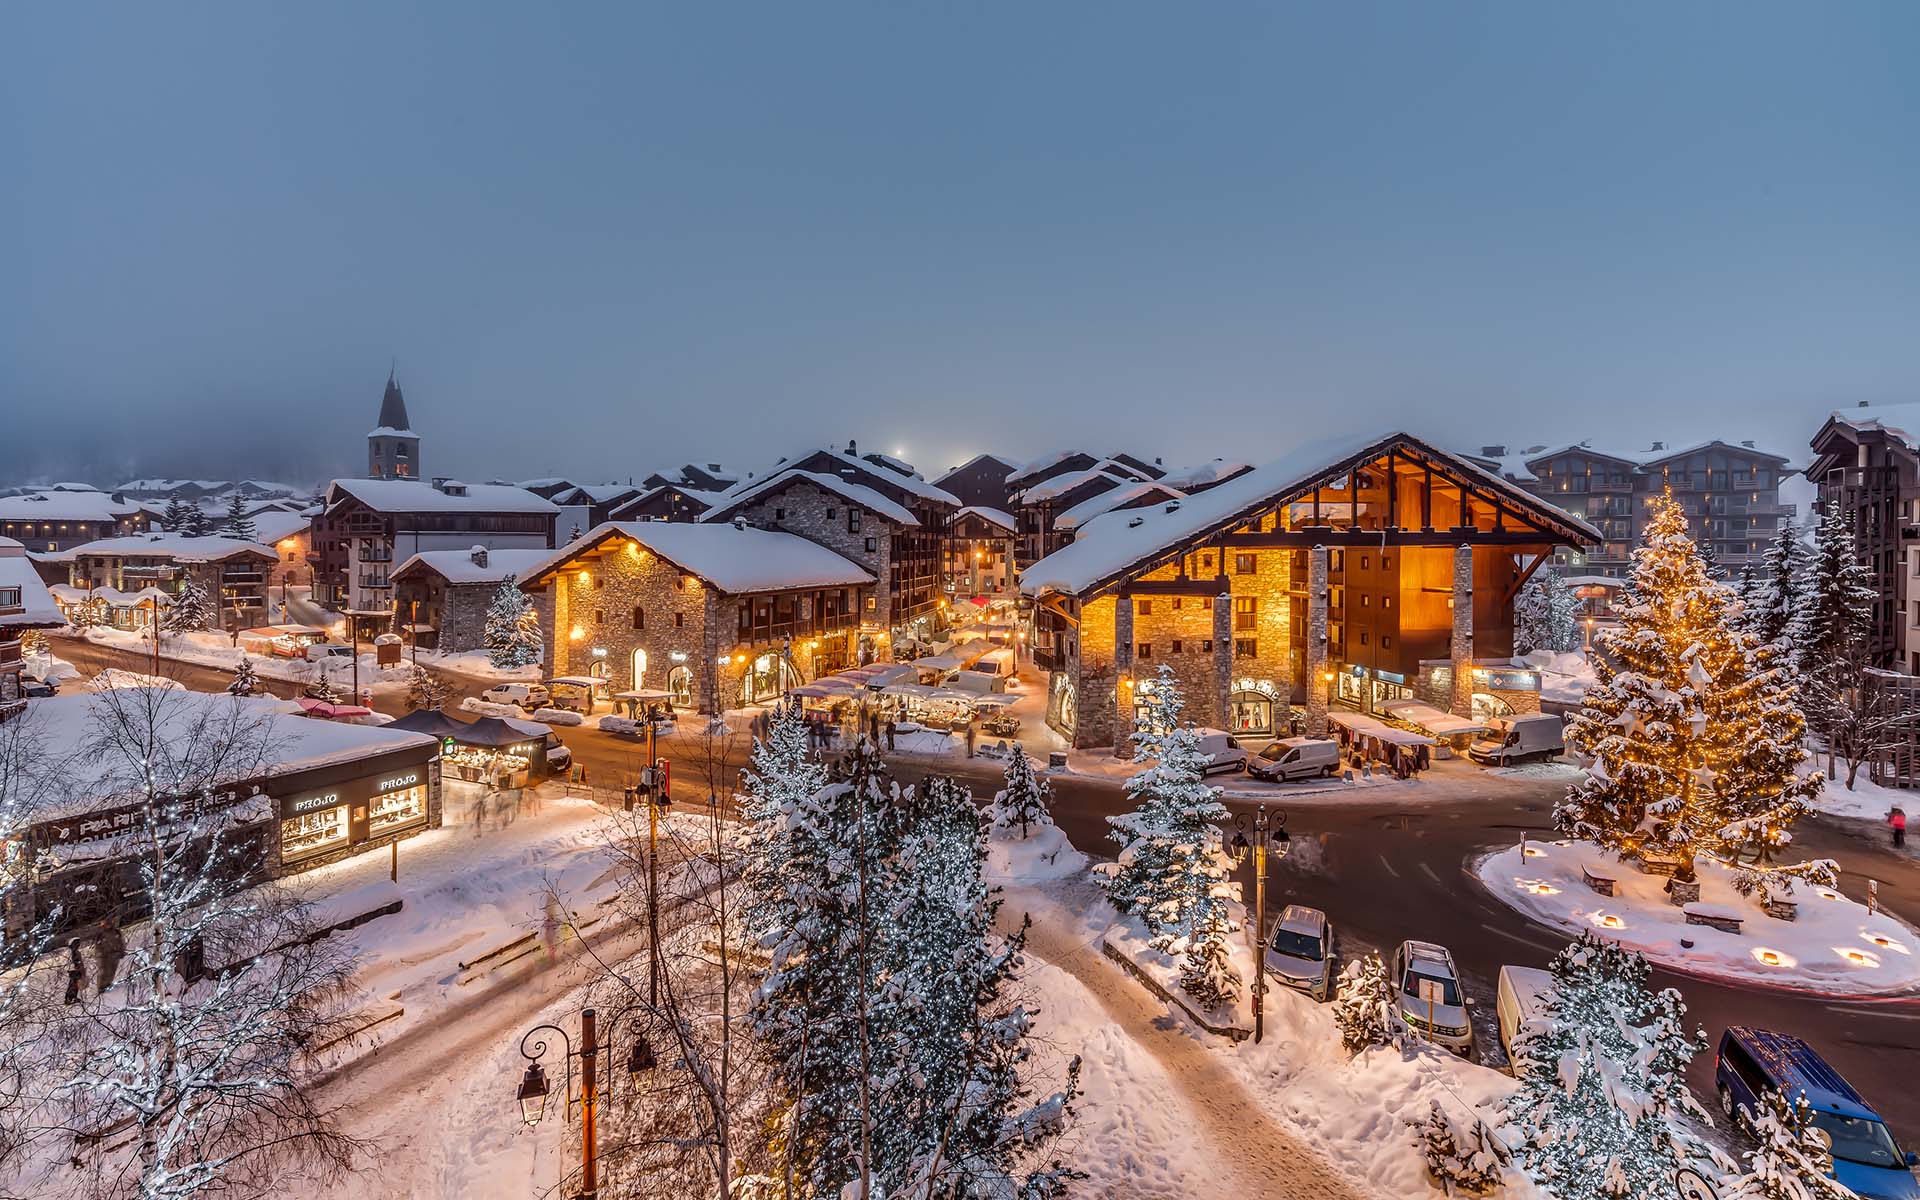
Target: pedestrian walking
{"x":109,"y":949}
{"x":1897,"y":821}
{"x":550,"y":927}
{"x":76,"y":970}
{"x":892,"y":728}
{"x":970,"y":737}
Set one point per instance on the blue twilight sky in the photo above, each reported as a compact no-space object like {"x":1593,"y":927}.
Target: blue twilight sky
{"x":601,"y":239}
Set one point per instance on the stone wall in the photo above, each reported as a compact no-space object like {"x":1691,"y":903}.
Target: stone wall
{"x":597,"y":612}
{"x":463,"y":615}
{"x":802,"y":508}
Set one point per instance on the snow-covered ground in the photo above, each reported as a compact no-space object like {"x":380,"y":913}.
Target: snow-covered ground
{"x":218,"y":650}
{"x":1564,"y":677}
{"x":475,"y":664}
{"x":1866,"y":801}
{"x":1835,"y":946}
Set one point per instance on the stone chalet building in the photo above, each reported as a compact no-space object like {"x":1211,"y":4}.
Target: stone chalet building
{"x":24,"y":604}
{"x":1052,"y":495}
{"x":441,"y":597}
{"x":232,"y":573}
{"x":1377,"y":569}
{"x":1730,"y":492}
{"x":718,"y":614}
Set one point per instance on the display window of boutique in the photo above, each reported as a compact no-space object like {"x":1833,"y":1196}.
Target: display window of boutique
{"x":1250,"y":712}
{"x":321,"y":825}
{"x":397,"y":810}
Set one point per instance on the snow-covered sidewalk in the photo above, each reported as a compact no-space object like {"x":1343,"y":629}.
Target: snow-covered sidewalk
{"x":1834,"y":946}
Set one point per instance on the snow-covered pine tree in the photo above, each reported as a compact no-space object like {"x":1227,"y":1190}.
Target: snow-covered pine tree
{"x":178,"y":515}
{"x":192,"y":610}
{"x":195,"y":522}
{"x":237,"y":524}
{"x":778,"y":785}
{"x":1774,"y":599}
{"x":1545,"y":614}
{"x":510,"y":620}
{"x":1601,"y":1079}
{"x":1025,"y":802}
{"x":1696,"y":741}
{"x":1791,"y":1161}
{"x":427,"y":691}
{"x":1464,"y":1155}
{"x":244,"y":681}
{"x":1171,"y":865}
{"x":1364,"y":1006}
{"x":1207,"y":972}
{"x":1833,"y":627}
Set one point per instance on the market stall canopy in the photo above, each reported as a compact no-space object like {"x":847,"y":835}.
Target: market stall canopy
{"x":941,"y":662}
{"x":585,"y":681}
{"x":994,"y":700}
{"x":492,"y":731}
{"x":883,"y":674}
{"x":431,"y":722}
{"x":836,"y":683}
{"x":814,"y":691}
{"x":1431,"y":719}
{"x":644,"y":694}
{"x":1363,"y":726}
{"x":919,"y":691}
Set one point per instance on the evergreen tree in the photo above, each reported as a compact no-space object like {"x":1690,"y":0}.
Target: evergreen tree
{"x":1601,"y":1078}
{"x":1207,"y":972}
{"x":244,"y":681}
{"x":237,"y":523}
{"x":1171,"y":865}
{"x":1463,"y":1156}
{"x":194,"y":522}
{"x":780,"y":783}
{"x":192,"y":610}
{"x":1026,"y":801}
{"x":179,"y":516}
{"x":1791,"y":1161}
{"x":1697,"y":740}
{"x":426,"y":691}
{"x":512,"y":633}
{"x":1834,"y":625}
{"x":1364,"y":1006}
{"x":1774,"y":599}
{"x":1546,"y":614}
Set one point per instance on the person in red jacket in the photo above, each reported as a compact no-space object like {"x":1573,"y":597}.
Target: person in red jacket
{"x":1898,"y":820}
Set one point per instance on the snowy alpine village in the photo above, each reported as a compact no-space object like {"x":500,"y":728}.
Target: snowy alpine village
{"x":1288,"y":602}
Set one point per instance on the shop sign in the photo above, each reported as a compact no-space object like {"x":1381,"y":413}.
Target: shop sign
{"x":1390,"y":676}
{"x":1512,"y":681}
{"x":1264,"y":686}
{"x":309,"y":803}
{"x":598,"y":652}
{"x":399,"y":781}
{"x":105,"y":824}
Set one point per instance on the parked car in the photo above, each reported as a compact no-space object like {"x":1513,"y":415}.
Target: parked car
{"x":559,"y":757}
{"x":1300,"y":951}
{"x":38,"y":688}
{"x":323,"y":651}
{"x":1510,"y":740}
{"x":527,"y":695}
{"x":1752,"y":1062}
{"x":1432,"y":1001}
{"x":1222,"y":751}
{"x":1516,"y":1001}
{"x":1295,"y":758}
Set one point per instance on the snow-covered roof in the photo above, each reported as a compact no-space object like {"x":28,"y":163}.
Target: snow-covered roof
{"x":278,"y":740}
{"x":853,"y":493}
{"x":1111,"y":499}
{"x":1200,"y":475}
{"x":1052,"y":458}
{"x":37,"y":607}
{"x":995,"y":516}
{"x":64,"y":506}
{"x":1110,"y":545}
{"x":1900,"y":420}
{"x":176,"y":546}
{"x":272,"y":524}
{"x":1009,"y":464}
{"x":899,"y":464}
{"x":905,"y":481}
{"x":390,"y":431}
{"x":414,"y":495}
{"x":1062,"y":484}
{"x":601,"y":493}
{"x":109,"y":595}
{"x":1519,"y":466}
{"x":457,"y":566}
{"x":734,"y":559}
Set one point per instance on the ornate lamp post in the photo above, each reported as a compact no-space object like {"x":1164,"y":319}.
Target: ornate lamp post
{"x":1269,"y":835}
{"x":534,"y":1087}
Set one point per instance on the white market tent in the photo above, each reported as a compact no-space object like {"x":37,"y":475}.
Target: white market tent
{"x":644,"y":694}
{"x":1431,"y":719}
{"x":995,"y":700}
{"x":917,"y":691}
{"x":882,"y":675}
{"x":1364,"y":726}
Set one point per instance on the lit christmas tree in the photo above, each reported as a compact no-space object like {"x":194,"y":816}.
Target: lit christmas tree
{"x":1696,"y":739}
{"x":1791,"y":1162}
{"x":1171,"y":868}
{"x":1026,"y":801}
{"x":1207,"y":972}
{"x":1602,"y":1080}
{"x":512,"y":632}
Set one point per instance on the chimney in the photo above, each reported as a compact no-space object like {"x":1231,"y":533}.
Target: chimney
{"x":1173,"y":506}
{"x":1748,"y":443}
{"x":1494,"y":451}
{"x":853,"y":451}
{"x":479,"y":556}
{"x":1862,"y":404}
{"x":1658,"y":446}
{"x":739,"y":522}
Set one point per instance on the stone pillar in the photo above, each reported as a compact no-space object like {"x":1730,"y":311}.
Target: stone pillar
{"x":1122,"y":675}
{"x":1461,"y":649}
{"x":1222,"y":654}
{"x":707,"y":673}
{"x":1317,"y":642}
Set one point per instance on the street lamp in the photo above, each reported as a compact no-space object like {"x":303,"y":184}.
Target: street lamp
{"x":533,"y":1090}
{"x":1269,"y":837}
{"x":1589,"y":645}
{"x":533,"y":1095}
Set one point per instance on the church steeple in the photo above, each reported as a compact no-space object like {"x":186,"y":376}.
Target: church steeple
{"x":393,"y":448}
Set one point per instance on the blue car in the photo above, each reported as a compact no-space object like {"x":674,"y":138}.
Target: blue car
{"x":1752,"y":1062}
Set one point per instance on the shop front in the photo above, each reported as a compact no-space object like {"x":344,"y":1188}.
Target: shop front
{"x":1368,"y":689}
{"x":333,"y":813}
{"x":1252,"y":707}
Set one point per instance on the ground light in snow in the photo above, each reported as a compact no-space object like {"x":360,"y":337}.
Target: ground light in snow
{"x":1834,"y":945}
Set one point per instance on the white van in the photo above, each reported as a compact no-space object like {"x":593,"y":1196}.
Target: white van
{"x":1510,"y":740}
{"x":1518,"y":1000}
{"x":1222,"y":751}
{"x":1295,"y":758}
{"x":327,"y":652}
{"x":526,"y":695}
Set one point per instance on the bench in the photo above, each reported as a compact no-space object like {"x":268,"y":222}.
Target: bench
{"x":1713,"y":916}
{"x":1599,"y":881}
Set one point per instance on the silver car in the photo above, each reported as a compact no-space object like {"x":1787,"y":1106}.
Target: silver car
{"x":1432,"y":1002}
{"x":1300,"y":951}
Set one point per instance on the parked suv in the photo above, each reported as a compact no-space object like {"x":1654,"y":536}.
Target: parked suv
{"x":1432,"y":1002}
{"x":1295,"y":758}
{"x":1752,"y":1062}
{"x":527,"y":695}
{"x":1300,"y":951}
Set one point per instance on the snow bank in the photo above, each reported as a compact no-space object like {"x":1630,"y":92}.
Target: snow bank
{"x":1867,"y":801}
{"x":557,"y":716}
{"x":1834,"y":947}
{"x":1565,"y":676}
{"x":1043,"y":855}
{"x":115,"y":677}
{"x":475,"y":704}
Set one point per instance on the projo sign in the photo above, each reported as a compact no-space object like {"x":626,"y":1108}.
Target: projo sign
{"x":309,"y":803}
{"x":399,"y":781}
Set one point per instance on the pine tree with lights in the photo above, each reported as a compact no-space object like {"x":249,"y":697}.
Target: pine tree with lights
{"x":1545,"y":615}
{"x":1792,"y":1160}
{"x":1171,"y":868}
{"x":1207,"y":972}
{"x":192,"y":610}
{"x":237,"y":524}
{"x":244,"y":682}
{"x":512,"y":632}
{"x":780,"y":782}
{"x":427,"y":692}
{"x":1025,"y":802}
{"x":1696,"y":737}
{"x":1364,"y":1006}
{"x":1602,"y":1085}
